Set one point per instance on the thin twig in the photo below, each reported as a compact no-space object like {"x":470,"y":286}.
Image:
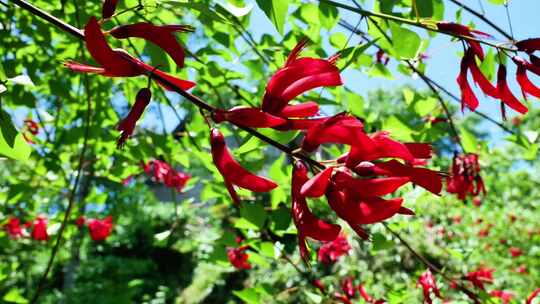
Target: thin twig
{"x":418,"y":24}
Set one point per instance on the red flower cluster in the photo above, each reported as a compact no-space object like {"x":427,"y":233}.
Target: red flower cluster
{"x":162,"y":172}
{"x":13,"y":228}
{"x":532,"y":296}
{"x":349,"y":293}
{"x":38,"y":228}
{"x":99,"y":230}
{"x":427,"y":281}
{"x":480,"y":276}
{"x":501,"y":90}
{"x":238,"y":257}
{"x":465,"y":176}
{"x":505,"y":296}
{"x":331,"y":251}
{"x":119,"y":63}
{"x":31,"y":127}
{"x":515,"y":252}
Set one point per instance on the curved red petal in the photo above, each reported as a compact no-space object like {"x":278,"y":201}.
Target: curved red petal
{"x":533,"y":295}
{"x":300,"y":124}
{"x":484,"y":84}
{"x":362,"y":188}
{"x":248,"y":117}
{"x":467,"y":95}
{"x":109,"y":6}
{"x":505,"y":94}
{"x":420,"y":150}
{"x":305,"y":109}
{"x":127,"y":125}
{"x":231,"y":170}
{"x":526,"y":84}
{"x":340,"y":129}
{"x":316,"y":186}
{"x":161,"y":36}
{"x":528,"y":45}
{"x":302,"y":85}
{"x":307,"y":223}
{"x":83,"y":68}
{"x":425,"y":178}
{"x":293,"y":56}
{"x":104,"y":55}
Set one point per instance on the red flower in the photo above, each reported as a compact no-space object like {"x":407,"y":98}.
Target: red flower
{"x":427,"y":281}
{"x":161,"y":36}
{"x":467,"y":95}
{"x":521,"y":269}
{"x":39,"y":230}
{"x":109,"y":6}
{"x":127,"y":125}
{"x":480,"y":276}
{"x":117,"y":63}
{"x":533,"y":295}
{"x":364,"y":294}
{"x":100,"y":229}
{"x":248,"y":117}
{"x":316,"y":186}
{"x":13,"y":228}
{"x":381,"y":57}
{"x":307,"y":224}
{"x":425,"y":178}
{"x":331,"y":251}
{"x":81,"y":221}
{"x":464,"y":30}
{"x":162,"y":172}
{"x":232,"y":172}
{"x":505,"y":94}
{"x":505,"y":297}
{"x":528,"y":45}
{"x":298,"y":76}
{"x":477,"y":202}
{"x":339,"y":129}
{"x":382,"y":146}
{"x":348,"y":287}
{"x":32,"y":126}
{"x":319,"y":285}
{"x":527,"y":87}
{"x":238,"y":258}
{"x":484,"y":84}
{"x":465,"y":176}
{"x":515,"y":252}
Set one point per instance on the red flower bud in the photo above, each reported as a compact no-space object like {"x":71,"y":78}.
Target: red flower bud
{"x":127,"y":125}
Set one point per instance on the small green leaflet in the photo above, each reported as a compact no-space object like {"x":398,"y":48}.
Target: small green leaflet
{"x":406,"y":42}
{"x":276,"y":11}
{"x":12,"y":144}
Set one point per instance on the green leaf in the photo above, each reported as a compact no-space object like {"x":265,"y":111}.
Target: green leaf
{"x":406,"y":42}
{"x":14,"y":296}
{"x":380,"y":242}
{"x":338,"y":40}
{"x":328,"y":15}
{"x":468,"y":139}
{"x":253,"y":213}
{"x":276,"y":11}
{"x":12,"y":144}
{"x":8,"y":130}
{"x":249,"y":295}
{"x":497,"y":2}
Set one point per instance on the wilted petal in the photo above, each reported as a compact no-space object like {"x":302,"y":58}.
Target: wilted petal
{"x":316,"y":186}
{"x":248,"y":117}
{"x":162,"y":36}
{"x":231,"y":170}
